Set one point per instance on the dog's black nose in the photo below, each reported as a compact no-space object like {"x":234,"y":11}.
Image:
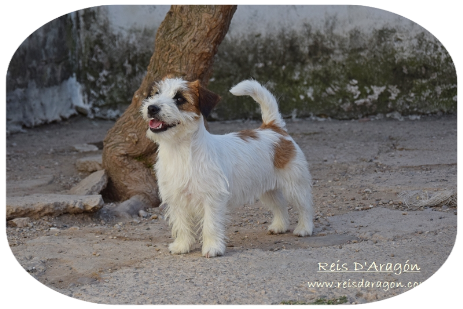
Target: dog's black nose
{"x":153,"y":110}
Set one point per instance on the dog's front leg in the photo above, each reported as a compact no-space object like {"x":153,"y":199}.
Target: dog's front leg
{"x":214,"y":229}
{"x":182,"y":229}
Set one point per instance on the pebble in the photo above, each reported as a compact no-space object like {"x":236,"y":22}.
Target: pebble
{"x":142,"y":213}
{"x":85,"y":148}
{"x":154,"y":217}
{"x":19,"y":222}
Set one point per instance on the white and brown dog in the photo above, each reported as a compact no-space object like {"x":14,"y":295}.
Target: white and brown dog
{"x":201,"y":175}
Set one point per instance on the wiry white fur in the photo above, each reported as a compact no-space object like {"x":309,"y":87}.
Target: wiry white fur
{"x":201,"y":175}
{"x":261,"y":95}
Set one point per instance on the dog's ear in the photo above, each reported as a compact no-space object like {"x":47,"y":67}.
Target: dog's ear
{"x":207,"y":99}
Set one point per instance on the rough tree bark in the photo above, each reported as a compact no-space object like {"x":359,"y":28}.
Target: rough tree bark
{"x":185,"y":45}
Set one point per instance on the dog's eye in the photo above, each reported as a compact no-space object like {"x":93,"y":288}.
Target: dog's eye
{"x":157,"y":92}
{"x":179,"y":99}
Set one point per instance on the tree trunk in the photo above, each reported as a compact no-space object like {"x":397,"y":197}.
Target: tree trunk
{"x":185,"y":45}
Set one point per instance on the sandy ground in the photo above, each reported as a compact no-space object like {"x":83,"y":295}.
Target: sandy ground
{"x":358,"y":168}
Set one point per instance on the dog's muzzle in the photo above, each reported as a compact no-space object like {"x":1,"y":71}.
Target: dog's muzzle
{"x":155,"y":124}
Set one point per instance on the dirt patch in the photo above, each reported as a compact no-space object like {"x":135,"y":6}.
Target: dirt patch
{"x":358,"y":168}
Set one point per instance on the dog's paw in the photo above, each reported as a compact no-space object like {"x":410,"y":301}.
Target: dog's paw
{"x":303,"y":230}
{"x":209,"y":252}
{"x":276,"y":229}
{"x":179,"y":248}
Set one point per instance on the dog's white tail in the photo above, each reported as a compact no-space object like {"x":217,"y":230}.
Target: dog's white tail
{"x":268,"y":103}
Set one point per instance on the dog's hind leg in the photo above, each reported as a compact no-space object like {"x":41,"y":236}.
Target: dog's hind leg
{"x":300,"y":197}
{"x":277,"y":204}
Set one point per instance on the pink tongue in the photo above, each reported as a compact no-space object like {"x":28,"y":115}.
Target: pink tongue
{"x":154,"y":123}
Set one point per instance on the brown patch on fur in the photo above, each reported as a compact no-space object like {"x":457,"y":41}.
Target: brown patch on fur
{"x":272,"y":126}
{"x":284,"y":152}
{"x":191,"y":104}
{"x":206,"y":100}
{"x":245,"y":135}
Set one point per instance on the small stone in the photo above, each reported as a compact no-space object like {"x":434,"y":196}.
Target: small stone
{"x":154,"y":217}
{"x":83,"y":109}
{"x":91,"y":185}
{"x":142,"y":213}
{"x":85,"y":148}
{"x":38,"y":205}
{"x":130,"y":207}
{"x":392,"y":255}
{"x":74,"y":228}
{"x":367,"y":190}
{"x":404,"y":213}
{"x":19,"y":222}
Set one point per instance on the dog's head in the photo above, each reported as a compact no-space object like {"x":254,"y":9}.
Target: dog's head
{"x":174,"y":107}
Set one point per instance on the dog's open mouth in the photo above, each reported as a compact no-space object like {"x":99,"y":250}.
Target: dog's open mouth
{"x":159,"y":126}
